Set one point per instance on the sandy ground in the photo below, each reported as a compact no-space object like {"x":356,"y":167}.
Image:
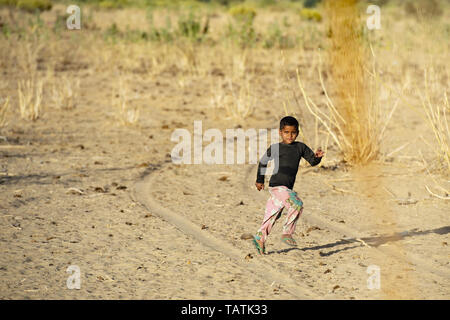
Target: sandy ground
{"x":79,"y":189}
{"x":145,"y":228}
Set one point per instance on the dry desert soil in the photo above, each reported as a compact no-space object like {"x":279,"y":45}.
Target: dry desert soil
{"x":77,"y":188}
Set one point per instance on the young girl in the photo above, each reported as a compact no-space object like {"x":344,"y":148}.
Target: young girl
{"x":286,"y":156}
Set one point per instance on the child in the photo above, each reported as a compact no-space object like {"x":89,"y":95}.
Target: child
{"x":286,"y":155}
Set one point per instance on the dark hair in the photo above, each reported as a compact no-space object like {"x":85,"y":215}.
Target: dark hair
{"x":288,"y":121}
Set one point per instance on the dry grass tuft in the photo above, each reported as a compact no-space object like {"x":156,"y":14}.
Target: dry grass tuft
{"x":436,"y":115}
{"x":126,"y":113}
{"x":30,"y":98}
{"x":64,"y":93}
{"x":4,"y":105}
{"x":237,"y":100}
{"x":242,"y":101}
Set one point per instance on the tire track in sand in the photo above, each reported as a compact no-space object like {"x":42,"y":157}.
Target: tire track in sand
{"x":141,"y":192}
{"x":418,"y":262}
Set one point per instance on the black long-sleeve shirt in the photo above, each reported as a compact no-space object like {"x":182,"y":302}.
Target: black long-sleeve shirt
{"x":286,"y":160}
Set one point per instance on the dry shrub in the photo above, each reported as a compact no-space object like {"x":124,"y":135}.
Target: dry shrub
{"x":310,"y":14}
{"x":355,"y":118}
{"x":30,"y":98}
{"x":347,"y":59}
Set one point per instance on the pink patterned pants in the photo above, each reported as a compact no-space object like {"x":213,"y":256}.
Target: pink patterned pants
{"x":281,"y":197}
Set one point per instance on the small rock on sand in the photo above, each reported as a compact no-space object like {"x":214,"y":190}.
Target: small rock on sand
{"x":246,"y":236}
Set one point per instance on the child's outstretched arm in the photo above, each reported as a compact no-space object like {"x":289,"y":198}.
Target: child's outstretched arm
{"x":319,"y":153}
{"x":262,"y":167}
{"x":313,"y":158}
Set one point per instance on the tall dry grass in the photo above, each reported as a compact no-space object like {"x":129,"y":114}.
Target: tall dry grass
{"x":4,"y":106}
{"x":437,"y":113}
{"x":353,"y":117}
{"x":26,"y":54}
{"x":30,"y":98}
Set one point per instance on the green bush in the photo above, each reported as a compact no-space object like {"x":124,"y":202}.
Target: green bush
{"x":242,"y":29}
{"x":223,"y":2}
{"x":8,"y":3}
{"x":161,"y":35}
{"x":113,"y":4}
{"x":243,"y":14}
{"x":188,"y":26}
{"x":5,"y":29}
{"x":191,"y":27}
{"x":112,"y":32}
{"x":276,"y":38}
{"x":164,"y":34}
{"x":28,"y":5}
{"x":310,"y":14}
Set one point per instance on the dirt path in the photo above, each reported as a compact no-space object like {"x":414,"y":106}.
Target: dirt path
{"x":258,"y":269}
{"x":335,"y":249}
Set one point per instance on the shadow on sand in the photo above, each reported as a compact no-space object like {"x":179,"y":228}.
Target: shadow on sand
{"x":371,"y":241}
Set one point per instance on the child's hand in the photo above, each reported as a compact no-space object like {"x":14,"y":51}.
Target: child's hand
{"x":259,"y":186}
{"x":319,"y":153}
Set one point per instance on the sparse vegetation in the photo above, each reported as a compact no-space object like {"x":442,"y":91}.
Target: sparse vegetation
{"x":241,"y":28}
{"x":28,"y":5}
{"x":229,"y":43}
{"x":311,"y":14}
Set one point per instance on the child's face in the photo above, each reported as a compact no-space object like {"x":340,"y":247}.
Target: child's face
{"x":288,"y":134}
